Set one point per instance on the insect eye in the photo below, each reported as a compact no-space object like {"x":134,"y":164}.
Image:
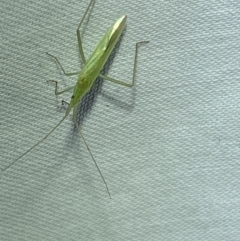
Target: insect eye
{"x":72,"y":96}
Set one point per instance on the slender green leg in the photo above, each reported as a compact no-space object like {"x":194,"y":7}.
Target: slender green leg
{"x":56,"y":87}
{"x":79,"y":45}
{"x":75,"y":108}
{"x":134,"y":70}
{"x":67,"y":74}
{"x":79,"y":35}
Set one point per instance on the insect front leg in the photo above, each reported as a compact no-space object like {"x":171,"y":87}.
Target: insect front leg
{"x":134,"y":70}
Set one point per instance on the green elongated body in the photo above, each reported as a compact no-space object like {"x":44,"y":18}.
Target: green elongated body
{"x":87,"y":76}
{"x":97,"y":60}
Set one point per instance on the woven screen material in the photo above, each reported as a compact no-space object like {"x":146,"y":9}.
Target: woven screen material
{"x":169,"y":148}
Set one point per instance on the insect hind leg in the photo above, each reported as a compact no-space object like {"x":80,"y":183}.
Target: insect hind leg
{"x":120,"y":82}
{"x":79,"y":35}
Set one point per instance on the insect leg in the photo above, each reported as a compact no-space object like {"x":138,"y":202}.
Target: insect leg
{"x":67,"y":74}
{"x":134,"y":70}
{"x":79,"y":35}
{"x":65,"y":102}
{"x":56,"y":87}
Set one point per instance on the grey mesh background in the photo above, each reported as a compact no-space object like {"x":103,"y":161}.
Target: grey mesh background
{"x":169,"y":148}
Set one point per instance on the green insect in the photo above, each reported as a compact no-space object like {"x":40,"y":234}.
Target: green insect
{"x":87,"y":76}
